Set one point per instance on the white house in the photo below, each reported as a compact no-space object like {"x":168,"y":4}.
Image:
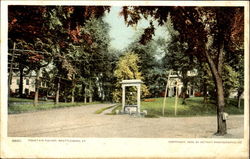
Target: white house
{"x":172,"y":85}
{"x":28,"y":83}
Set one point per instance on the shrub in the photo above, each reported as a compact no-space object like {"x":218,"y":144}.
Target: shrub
{"x":197,"y":94}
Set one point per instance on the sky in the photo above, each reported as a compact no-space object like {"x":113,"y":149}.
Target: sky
{"x":121,"y":35}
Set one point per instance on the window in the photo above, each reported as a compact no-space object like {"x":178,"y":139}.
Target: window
{"x":27,"y":82}
{"x":18,"y":81}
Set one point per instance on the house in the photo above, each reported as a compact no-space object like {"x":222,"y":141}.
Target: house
{"x":29,"y":81}
{"x":174,"y":79}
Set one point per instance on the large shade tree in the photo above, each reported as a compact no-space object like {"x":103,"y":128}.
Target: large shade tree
{"x":210,"y":32}
{"x":175,"y":60}
{"x":150,"y":64}
{"x":57,"y":31}
{"x":26,"y":32}
{"x":79,"y":44}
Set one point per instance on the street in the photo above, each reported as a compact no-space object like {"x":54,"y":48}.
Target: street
{"x":83,"y":122}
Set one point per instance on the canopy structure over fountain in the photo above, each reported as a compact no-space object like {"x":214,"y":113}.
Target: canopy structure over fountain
{"x":129,"y":83}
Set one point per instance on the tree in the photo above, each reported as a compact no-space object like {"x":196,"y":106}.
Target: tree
{"x":80,"y":42}
{"x":65,"y":34}
{"x":175,"y":60}
{"x":126,"y":69}
{"x":24,"y":29}
{"x":150,"y":64}
{"x":209,"y":32}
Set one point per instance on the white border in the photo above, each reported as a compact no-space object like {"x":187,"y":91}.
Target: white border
{"x":119,"y":147}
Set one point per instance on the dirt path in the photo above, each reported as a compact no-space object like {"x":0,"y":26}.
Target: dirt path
{"x":82,"y":122}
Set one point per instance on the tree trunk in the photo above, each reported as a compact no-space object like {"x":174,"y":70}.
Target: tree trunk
{"x":73,"y":90}
{"x":90,"y":98}
{"x":73,"y":96}
{"x":184,"y":90}
{"x":222,"y":127}
{"x":58,"y":91}
{"x":90,"y":92}
{"x":239,"y":103}
{"x":21,"y":68}
{"x":239,"y":100}
{"x":37,"y":85}
{"x":11,"y":68}
{"x":176,"y":99}
{"x":85,"y":94}
{"x":217,"y":71}
{"x":204,"y":91}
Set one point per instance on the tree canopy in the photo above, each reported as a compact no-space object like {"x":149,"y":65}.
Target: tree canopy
{"x":126,"y":69}
{"x":209,"y":32}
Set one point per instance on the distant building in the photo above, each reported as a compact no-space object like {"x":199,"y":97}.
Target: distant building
{"x":28,"y":83}
{"x":172,"y":85}
{"x":190,"y":89}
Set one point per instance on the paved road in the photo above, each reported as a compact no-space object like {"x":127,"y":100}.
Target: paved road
{"x":82,"y":122}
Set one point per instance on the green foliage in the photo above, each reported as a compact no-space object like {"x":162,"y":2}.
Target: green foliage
{"x":73,"y":38}
{"x":177,"y":59}
{"x":126,"y":69}
{"x":150,"y":63}
{"x":156,"y":82}
{"x":81,"y":49}
{"x":231,"y":79}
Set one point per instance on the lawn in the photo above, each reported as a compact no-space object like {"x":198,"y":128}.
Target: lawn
{"x":103,"y":109}
{"x":45,"y":105}
{"x":11,"y":99}
{"x":194,"y":107}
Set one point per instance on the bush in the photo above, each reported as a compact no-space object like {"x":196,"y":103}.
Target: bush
{"x":197,"y":94}
{"x":149,"y":100}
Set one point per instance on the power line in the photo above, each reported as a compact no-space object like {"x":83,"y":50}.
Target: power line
{"x":59,"y":60}
{"x":29,"y":51}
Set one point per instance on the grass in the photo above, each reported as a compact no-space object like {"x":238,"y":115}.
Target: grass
{"x":113,"y":111}
{"x":30,"y":108}
{"x":118,"y":107}
{"x":11,"y":99}
{"x":194,"y":107}
{"x":99,"y":111}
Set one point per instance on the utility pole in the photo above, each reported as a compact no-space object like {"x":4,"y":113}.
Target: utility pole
{"x":165,"y":95}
